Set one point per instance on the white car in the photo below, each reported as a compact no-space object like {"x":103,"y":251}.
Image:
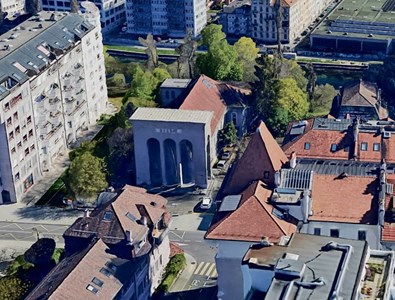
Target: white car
{"x":206,"y":202}
{"x":226,"y":155}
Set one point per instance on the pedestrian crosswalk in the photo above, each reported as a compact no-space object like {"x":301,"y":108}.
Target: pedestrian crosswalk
{"x":206,"y":269}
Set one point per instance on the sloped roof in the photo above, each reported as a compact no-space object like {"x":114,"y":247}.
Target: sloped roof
{"x":347,"y":200}
{"x":363,"y":94}
{"x":252,"y":220}
{"x":262,"y":148}
{"x":388,"y":231}
{"x":73,"y":274}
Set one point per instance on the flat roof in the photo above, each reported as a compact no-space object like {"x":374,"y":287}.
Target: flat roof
{"x":370,"y":19}
{"x":172,"y":115}
{"x":175,"y":83}
{"x":321,"y":261}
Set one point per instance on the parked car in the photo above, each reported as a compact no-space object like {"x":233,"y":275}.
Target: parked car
{"x":206,"y":202}
{"x":226,"y":155}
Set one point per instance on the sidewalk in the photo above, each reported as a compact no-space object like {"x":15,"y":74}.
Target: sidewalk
{"x":181,"y":282}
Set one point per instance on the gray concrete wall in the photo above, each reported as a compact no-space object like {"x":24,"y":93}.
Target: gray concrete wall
{"x":177,"y":131}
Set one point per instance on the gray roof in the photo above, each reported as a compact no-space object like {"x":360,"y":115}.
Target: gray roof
{"x":32,"y":46}
{"x":175,"y":83}
{"x":329,"y":264}
{"x":171,"y":115}
{"x":331,"y":124}
{"x":337,"y":167}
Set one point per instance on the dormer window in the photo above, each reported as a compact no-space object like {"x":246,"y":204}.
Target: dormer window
{"x":364,"y":146}
{"x":306,"y":146}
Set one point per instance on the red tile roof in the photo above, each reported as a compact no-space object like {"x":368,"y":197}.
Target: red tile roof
{"x":252,"y":220}
{"x":321,"y":141}
{"x":89,"y":267}
{"x":262,"y":154}
{"x":347,"y":200}
{"x":203,"y":94}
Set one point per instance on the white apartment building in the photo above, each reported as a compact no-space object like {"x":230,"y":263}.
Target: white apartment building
{"x":297,"y":15}
{"x":52,"y":86}
{"x":112,"y":12}
{"x":12,"y":7}
{"x":166,"y":17}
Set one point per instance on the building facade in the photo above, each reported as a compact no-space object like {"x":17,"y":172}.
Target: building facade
{"x":112,"y":12}
{"x":52,"y":87}
{"x":235,"y":19}
{"x":12,"y":7}
{"x":296,"y":16}
{"x":168,"y":17}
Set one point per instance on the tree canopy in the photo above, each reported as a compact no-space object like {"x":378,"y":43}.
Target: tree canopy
{"x":40,"y":252}
{"x":145,"y":83}
{"x":247,"y":52}
{"x":292,"y":99}
{"x":228,"y":135}
{"x":13,"y":288}
{"x":221,"y":59}
{"x":87,"y":177}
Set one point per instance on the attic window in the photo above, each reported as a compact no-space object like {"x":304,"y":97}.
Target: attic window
{"x":376,"y":147}
{"x":108,"y":216}
{"x":364,"y":146}
{"x":111,"y":266}
{"x":92,"y":289}
{"x":306,"y":146}
{"x":105,"y":271}
{"x":131,"y":216}
{"x":333,"y":147}
{"x":97,"y":281}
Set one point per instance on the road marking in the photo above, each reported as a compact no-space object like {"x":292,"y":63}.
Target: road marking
{"x":198,"y":268}
{"x":195,"y":282}
{"x":181,"y":244}
{"x":215,"y":274}
{"x":210,"y":270}
{"x":179,"y":236}
{"x":10,"y":234}
{"x":204,"y":269}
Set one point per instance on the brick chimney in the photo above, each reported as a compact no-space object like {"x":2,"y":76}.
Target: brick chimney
{"x":292,"y":160}
{"x":356,"y":133}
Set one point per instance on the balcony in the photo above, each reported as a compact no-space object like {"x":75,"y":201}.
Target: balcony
{"x":54,"y":130}
{"x":77,"y":108}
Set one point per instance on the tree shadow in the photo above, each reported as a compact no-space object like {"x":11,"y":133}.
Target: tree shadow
{"x":42,"y":213}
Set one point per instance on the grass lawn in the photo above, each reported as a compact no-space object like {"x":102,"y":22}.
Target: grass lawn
{"x":138,"y":49}
{"x":116,"y":101}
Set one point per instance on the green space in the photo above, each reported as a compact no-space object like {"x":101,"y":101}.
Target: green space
{"x":139,"y":49}
{"x":173,"y":269}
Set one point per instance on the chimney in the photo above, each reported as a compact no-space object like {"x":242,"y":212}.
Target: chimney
{"x":306,"y":210}
{"x":129,"y":238}
{"x":87,"y":213}
{"x":144,"y":220}
{"x":356,"y":133}
{"x":277,"y":179}
{"x":292,"y":160}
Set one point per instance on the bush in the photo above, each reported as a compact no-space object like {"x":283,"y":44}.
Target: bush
{"x":174,"y":267}
{"x":18,"y":264}
{"x":13,"y":288}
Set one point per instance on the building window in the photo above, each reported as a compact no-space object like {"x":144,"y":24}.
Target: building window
{"x":17,"y":177}
{"x":361,"y":235}
{"x":317,"y":231}
{"x":234,"y":118}
{"x":9,"y":121}
{"x":364,"y":146}
{"x":16,"y":116}
{"x":334,"y":232}
{"x":266,"y":175}
{"x":105,"y":271}
{"x":11,"y":135}
{"x":29,"y":119}
{"x":346,"y":149}
{"x":25,"y":138}
{"x":92,"y":289}
{"x":306,"y":146}
{"x":19,"y":144}
{"x":376,"y":147}
{"x":97,"y":281}
{"x":17,"y":130}
{"x":333,"y":147}
{"x":30,"y":132}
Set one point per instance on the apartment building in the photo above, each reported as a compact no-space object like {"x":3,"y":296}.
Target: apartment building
{"x":12,"y":7}
{"x":296,"y":16}
{"x":235,"y":18}
{"x":166,"y":17}
{"x":119,"y":251}
{"x":52,"y":86}
{"x":112,"y":12}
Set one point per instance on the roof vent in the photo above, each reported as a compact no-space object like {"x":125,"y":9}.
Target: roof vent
{"x":154,"y":204}
{"x":386,"y":134}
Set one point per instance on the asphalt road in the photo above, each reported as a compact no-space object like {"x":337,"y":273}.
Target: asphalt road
{"x":27,"y":232}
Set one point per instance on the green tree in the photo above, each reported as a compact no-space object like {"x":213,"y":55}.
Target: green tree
{"x":40,"y":252}
{"x":13,"y":288}
{"x":228,"y":135}
{"x":143,"y":84}
{"x":311,"y":78}
{"x":278,"y":120}
{"x":87,"y":177}
{"x":221,"y":60}
{"x":84,"y":147}
{"x":266,"y":88}
{"x":247,"y":52}
{"x":160,"y":75}
{"x":291,"y":69}
{"x":292,"y":99}
{"x":321,"y":102}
